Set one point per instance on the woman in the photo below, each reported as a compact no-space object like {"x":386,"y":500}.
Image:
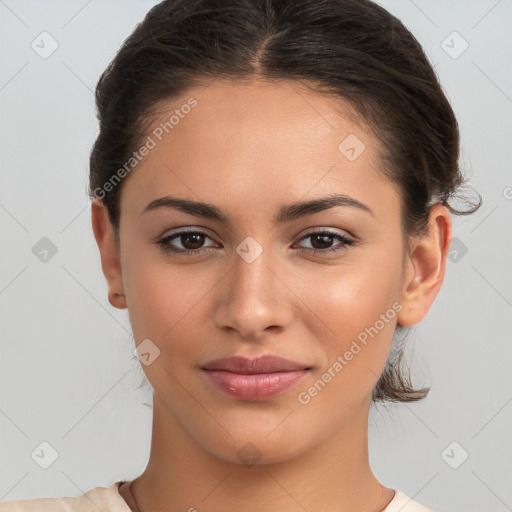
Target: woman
{"x":271,"y":187}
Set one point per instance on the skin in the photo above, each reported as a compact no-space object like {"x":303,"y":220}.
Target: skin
{"x":249,"y":149}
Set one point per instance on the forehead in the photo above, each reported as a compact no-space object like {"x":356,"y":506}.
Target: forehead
{"x":257,"y":143}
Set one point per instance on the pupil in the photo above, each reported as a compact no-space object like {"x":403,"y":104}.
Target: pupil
{"x":326,"y":239}
{"x":199,"y":240}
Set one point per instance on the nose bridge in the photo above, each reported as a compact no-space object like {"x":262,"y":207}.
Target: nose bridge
{"x":252,"y":277}
{"x":253,"y":297}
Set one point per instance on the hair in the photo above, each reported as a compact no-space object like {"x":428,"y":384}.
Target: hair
{"x":353,"y":50}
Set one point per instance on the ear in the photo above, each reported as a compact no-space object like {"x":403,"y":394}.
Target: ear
{"x":110,"y":262}
{"x":425,"y":267}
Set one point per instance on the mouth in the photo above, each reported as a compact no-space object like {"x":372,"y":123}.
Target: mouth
{"x":254,"y":379}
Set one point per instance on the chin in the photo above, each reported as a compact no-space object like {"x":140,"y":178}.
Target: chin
{"x":257,"y":446}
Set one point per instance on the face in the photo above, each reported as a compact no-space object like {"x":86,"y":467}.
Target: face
{"x":319,"y":286}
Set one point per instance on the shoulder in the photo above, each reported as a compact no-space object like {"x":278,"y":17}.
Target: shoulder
{"x":401,"y":503}
{"x":106,"y":499}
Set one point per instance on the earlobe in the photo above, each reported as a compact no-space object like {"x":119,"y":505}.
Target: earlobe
{"x":425,"y":267}
{"x":109,"y":253}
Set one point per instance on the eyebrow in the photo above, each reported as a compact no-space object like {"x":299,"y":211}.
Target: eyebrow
{"x":286,"y":213}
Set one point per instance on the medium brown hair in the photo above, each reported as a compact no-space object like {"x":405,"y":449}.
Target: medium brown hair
{"x":352,"y":49}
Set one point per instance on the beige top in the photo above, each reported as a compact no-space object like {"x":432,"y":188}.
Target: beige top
{"x":108,"y":499}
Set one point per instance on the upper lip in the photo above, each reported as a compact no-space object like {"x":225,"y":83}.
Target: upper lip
{"x":251,"y":366}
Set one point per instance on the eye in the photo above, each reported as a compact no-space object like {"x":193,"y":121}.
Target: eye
{"x":191,"y":241}
{"x":321,"y":241}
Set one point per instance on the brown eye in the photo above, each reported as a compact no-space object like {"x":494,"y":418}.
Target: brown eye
{"x":321,"y":242}
{"x":191,"y":242}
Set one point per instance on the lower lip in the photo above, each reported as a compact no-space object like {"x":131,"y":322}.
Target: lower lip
{"x":260,"y":386}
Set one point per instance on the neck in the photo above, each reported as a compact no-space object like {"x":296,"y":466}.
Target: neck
{"x":334,"y":476}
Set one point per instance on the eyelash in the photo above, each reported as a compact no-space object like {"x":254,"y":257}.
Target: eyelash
{"x":166,"y":247}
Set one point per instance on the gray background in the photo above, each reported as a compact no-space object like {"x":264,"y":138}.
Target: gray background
{"x":68,"y":376}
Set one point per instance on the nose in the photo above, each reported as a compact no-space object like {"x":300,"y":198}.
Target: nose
{"x":254,"y":300}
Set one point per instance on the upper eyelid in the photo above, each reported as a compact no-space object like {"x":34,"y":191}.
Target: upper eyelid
{"x":178,"y":231}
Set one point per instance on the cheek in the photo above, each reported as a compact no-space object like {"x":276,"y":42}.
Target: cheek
{"x":167,"y":304}
{"x":353,"y":295}
{"x":163,"y":308}
{"x":160,"y":295}
{"x":356,"y":307}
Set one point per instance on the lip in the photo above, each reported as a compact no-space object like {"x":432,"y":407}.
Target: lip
{"x":254,"y":379}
